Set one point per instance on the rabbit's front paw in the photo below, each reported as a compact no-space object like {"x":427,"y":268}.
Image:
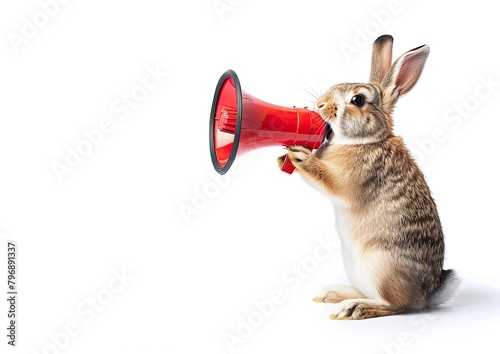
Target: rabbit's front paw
{"x":301,"y":156}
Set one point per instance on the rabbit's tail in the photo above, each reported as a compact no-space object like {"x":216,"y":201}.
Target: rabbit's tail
{"x":450,"y":282}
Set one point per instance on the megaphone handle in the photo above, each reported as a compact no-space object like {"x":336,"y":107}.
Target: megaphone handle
{"x":287,"y":166}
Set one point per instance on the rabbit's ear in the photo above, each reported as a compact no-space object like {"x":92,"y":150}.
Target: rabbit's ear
{"x":381,"y":58}
{"x":404,"y":74}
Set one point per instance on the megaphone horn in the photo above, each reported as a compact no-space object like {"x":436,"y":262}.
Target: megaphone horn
{"x":240,"y":123}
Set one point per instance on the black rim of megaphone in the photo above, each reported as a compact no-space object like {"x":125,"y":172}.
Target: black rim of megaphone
{"x":239,"y":101}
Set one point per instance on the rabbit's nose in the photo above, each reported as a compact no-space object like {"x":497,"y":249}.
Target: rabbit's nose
{"x":320,"y":105}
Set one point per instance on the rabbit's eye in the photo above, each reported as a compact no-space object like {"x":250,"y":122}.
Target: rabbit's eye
{"x":358,"y":100}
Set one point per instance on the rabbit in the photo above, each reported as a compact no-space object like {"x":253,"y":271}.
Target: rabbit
{"x":387,"y":221}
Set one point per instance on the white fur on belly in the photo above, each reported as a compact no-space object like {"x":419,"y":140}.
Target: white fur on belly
{"x":361,"y":271}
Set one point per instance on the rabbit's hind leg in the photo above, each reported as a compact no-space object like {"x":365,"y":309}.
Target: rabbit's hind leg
{"x":358,"y":309}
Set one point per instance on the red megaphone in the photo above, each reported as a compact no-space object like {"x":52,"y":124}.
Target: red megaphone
{"x":240,"y":123}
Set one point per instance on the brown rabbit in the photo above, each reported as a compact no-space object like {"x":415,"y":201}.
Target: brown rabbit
{"x":388,"y":223}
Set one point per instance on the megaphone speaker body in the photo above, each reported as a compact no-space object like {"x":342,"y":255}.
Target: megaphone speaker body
{"x":240,"y":123}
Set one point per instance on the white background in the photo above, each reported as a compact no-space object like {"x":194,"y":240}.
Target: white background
{"x":191,"y":278}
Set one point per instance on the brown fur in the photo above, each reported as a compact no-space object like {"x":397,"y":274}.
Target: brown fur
{"x":392,"y":218}
{"x":381,"y":58}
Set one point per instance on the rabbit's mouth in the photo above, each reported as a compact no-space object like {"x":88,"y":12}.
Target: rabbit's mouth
{"x":328,"y":132}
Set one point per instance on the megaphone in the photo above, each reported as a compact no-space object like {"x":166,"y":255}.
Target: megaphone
{"x":240,"y":123}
